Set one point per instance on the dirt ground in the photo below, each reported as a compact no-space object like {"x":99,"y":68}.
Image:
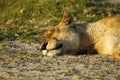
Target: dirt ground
{"x":23,"y":61}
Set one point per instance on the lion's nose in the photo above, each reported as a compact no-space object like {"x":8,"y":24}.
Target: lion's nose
{"x":44,"y":46}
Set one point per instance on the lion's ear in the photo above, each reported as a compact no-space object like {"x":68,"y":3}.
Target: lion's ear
{"x":67,"y":18}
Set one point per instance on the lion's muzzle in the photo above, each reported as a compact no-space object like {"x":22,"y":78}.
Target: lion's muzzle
{"x":48,"y":49}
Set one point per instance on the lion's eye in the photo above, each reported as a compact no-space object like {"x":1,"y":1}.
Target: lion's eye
{"x":44,"y":46}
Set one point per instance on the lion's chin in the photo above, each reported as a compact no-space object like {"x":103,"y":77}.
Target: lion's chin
{"x":51,"y":53}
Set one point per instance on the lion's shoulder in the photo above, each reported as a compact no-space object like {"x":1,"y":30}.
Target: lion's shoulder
{"x":110,"y":22}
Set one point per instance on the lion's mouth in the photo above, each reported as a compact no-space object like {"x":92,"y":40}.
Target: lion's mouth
{"x":58,"y":47}
{"x":51,"y":52}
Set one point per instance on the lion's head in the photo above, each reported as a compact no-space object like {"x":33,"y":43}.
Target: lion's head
{"x":61,"y":38}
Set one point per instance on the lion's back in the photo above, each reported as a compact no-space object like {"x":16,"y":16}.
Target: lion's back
{"x":111,"y":22}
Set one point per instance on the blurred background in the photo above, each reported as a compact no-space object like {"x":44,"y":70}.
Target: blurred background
{"x":27,"y":20}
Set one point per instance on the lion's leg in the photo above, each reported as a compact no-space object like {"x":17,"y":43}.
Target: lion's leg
{"x":109,"y":45}
{"x":116,"y":55}
{"x":115,"y":49}
{"x":103,"y":46}
{"x":112,"y":46}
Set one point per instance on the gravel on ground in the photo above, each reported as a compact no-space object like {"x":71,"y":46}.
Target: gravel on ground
{"x":23,"y":61}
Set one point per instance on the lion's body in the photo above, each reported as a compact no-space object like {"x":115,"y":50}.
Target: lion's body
{"x":102,"y":36}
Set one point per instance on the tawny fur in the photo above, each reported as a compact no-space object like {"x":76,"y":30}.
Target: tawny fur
{"x":102,"y":36}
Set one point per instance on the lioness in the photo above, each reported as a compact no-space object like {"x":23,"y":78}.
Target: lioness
{"x":102,"y":37}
